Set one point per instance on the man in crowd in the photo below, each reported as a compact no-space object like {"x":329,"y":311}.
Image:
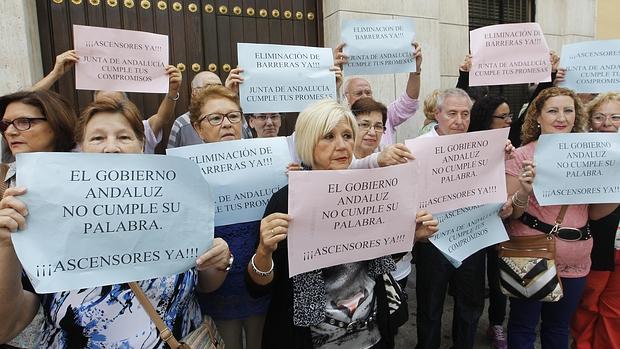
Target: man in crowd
{"x":265,"y":124}
{"x":433,"y":271}
{"x":399,"y":110}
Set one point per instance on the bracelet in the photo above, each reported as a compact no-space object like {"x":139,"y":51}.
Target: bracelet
{"x":176,"y":98}
{"x":518,"y":203}
{"x":260,"y":272}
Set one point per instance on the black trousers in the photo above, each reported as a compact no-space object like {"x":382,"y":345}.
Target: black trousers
{"x":497,"y":300}
{"x":433,"y":274}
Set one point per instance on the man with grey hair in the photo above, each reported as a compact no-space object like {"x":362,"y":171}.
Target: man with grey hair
{"x":399,"y":110}
{"x":434,"y":273}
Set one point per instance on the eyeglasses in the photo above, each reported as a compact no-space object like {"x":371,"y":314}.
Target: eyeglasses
{"x":600,"y":118}
{"x":506,"y":117}
{"x":365,"y":126}
{"x":216,"y":119}
{"x":264,"y":117}
{"x":21,"y":124}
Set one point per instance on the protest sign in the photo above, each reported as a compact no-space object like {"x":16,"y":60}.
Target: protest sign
{"x":509,"y":54}
{"x":465,"y":231}
{"x":592,"y":66}
{"x":120,"y":60}
{"x":577,"y":168}
{"x":460,"y":170}
{"x":379,"y":46}
{"x":349,"y":215}
{"x":102,"y":219}
{"x":283,"y":78}
{"x":243,"y":174}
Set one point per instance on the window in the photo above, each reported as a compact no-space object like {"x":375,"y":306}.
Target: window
{"x":490,"y":12}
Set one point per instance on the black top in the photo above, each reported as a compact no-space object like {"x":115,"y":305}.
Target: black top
{"x":279,"y":330}
{"x":604,"y":234}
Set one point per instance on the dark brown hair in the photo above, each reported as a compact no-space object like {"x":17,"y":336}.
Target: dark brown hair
{"x":55,"y":108}
{"x":111,"y":105}
{"x":368,"y":105}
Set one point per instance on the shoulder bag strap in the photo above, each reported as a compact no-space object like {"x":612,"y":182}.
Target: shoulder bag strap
{"x":4,"y":169}
{"x":559,"y":219}
{"x":561,"y":214}
{"x":164,"y":332}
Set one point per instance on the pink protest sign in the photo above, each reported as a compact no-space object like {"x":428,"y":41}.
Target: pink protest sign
{"x":460,"y":170}
{"x":350,"y":215}
{"x":120,"y":60}
{"x":509,"y":54}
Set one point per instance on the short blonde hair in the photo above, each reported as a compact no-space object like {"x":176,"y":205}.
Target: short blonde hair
{"x":600,"y":100}
{"x":530,"y":131}
{"x":315,"y":122}
{"x":430,"y":107}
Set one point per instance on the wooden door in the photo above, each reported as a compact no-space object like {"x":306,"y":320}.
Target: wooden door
{"x":203,"y":35}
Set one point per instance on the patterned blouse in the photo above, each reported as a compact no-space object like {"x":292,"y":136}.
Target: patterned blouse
{"x":111,"y":316}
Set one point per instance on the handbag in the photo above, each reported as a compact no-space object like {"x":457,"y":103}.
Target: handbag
{"x":396,"y":301}
{"x":204,"y":337}
{"x":527,"y":266}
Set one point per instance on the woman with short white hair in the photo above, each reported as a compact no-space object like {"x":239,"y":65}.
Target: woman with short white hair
{"x":345,"y":305}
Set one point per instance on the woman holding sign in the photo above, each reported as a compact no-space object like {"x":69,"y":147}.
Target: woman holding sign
{"x":107,"y":316}
{"x":216,"y":116}
{"x":597,"y":321}
{"x":33,"y":121}
{"x":345,"y":305}
{"x":554,"y":111}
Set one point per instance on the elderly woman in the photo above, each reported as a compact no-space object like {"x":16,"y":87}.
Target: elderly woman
{"x":597,"y":321}
{"x":308,"y":310}
{"x":371,"y":117}
{"x":216,"y":116}
{"x":430,"y":110}
{"x":99,"y":317}
{"x":554,"y":111}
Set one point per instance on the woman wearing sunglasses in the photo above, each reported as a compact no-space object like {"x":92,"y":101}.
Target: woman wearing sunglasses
{"x":554,"y":111}
{"x":216,"y":116}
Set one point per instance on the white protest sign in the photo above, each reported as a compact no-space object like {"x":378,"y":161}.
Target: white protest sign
{"x":506,"y":54}
{"x":102,"y":219}
{"x":243,"y":174}
{"x":465,"y":231}
{"x":120,"y":60}
{"x":592,"y":66}
{"x":349,"y":215}
{"x":460,"y":170}
{"x":577,"y":168}
{"x":379,"y":46}
{"x":283,"y":78}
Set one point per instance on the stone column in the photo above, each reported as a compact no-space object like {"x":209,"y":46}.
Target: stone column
{"x":21,"y":54}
